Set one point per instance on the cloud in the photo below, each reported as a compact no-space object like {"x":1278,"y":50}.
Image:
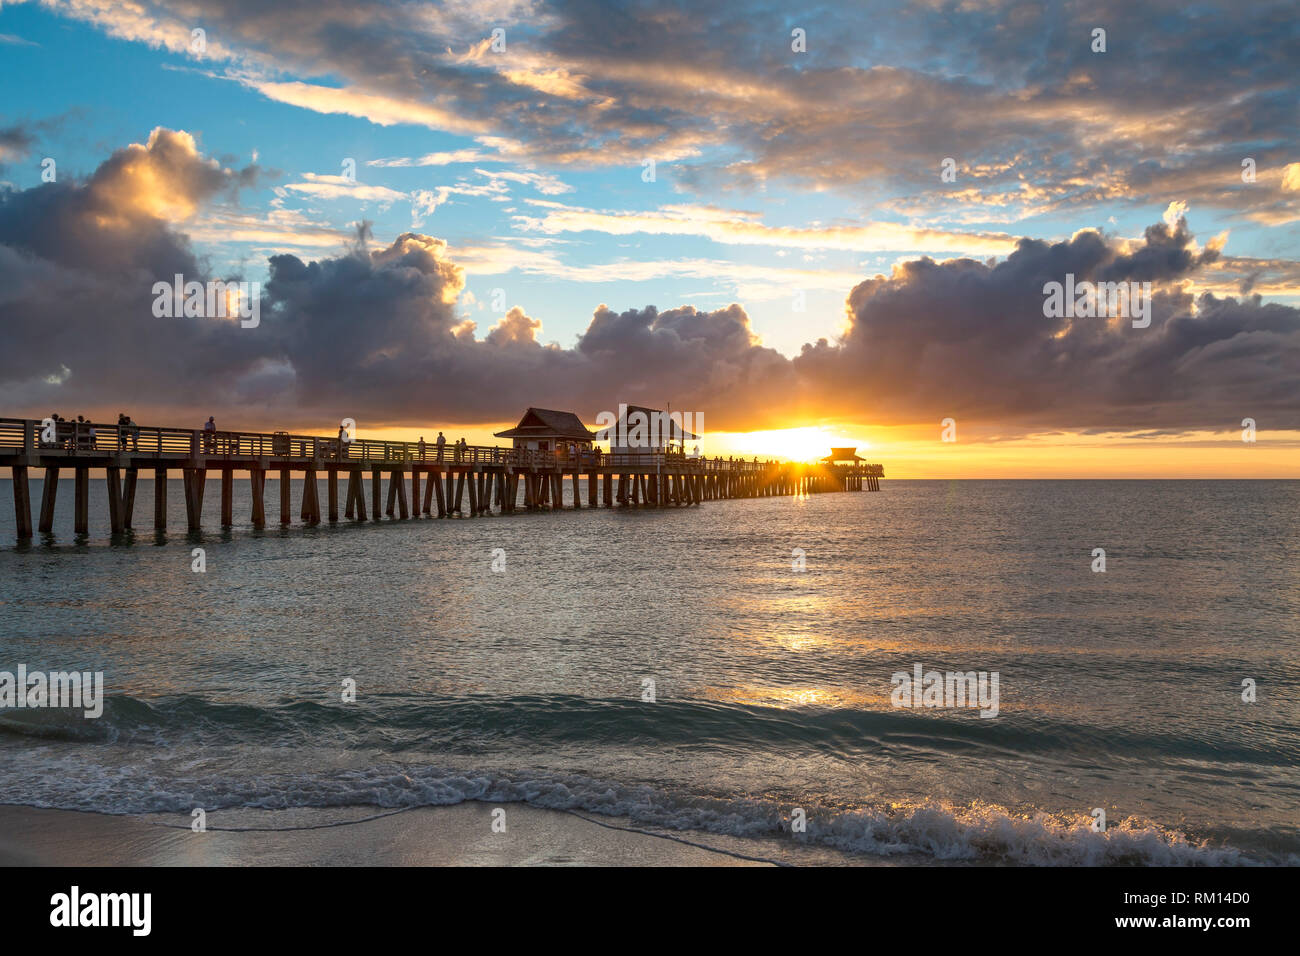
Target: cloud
{"x":15,"y":143}
{"x":444,"y":158}
{"x":969,"y":340}
{"x":738,"y":228}
{"x":78,"y":260}
{"x":378,"y":334}
{"x":339,"y":187}
{"x":871,"y":108}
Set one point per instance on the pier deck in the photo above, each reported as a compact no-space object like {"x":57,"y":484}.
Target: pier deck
{"x":470,"y":482}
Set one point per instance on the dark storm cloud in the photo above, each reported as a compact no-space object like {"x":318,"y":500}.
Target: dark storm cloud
{"x":969,"y":340}
{"x":78,"y":261}
{"x":378,"y":334}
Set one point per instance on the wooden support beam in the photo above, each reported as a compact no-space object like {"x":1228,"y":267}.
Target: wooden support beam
{"x":438,"y":490}
{"x":332,"y":490}
{"x":476,"y":506}
{"x":608,"y":483}
{"x":81,"y":496}
{"x":257,"y":486}
{"x":128,"y":497}
{"x":304,"y":510}
{"x":160,"y":499}
{"x":200,"y":485}
{"x":356,"y":494}
{"x":113,"y":482}
{"x":415,"y":490}
{"x":194,"y":480}
{"x":49,"y":492}
{"x":286,"y":503}
{"x":376,"y":481}
{"x":22,"y":503}
{"x":310,"y":497}
{"x":396,"y":479}
{"x":227,"y":497}
{"x":455,"y":503}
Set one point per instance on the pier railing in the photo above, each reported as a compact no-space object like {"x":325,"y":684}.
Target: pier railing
{"x":93,"y":439}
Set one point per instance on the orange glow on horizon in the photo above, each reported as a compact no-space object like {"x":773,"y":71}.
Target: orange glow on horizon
{"x":918,"y":452}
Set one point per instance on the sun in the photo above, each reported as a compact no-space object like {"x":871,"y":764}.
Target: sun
{"x":795,"y":444}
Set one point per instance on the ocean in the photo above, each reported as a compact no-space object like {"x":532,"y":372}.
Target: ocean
{"x":719,"y":672}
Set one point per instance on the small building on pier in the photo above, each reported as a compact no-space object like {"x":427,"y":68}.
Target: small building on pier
{"x":545,"y":429}
{"x":642,"y":430}
{"x":843,"y":456}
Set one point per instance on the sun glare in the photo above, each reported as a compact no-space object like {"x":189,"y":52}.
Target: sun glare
{"x":796,"y":444}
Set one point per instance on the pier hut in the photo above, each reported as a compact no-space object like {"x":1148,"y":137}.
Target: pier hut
{"x":545,"y":429}
{"x":843,"y":456}
{"x":846,"y":465}
{"x":641,"y":431}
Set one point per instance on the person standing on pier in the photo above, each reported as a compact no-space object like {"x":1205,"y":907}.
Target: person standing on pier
{"x":421,"y":448}
{"x":210,"y":435}
{"x":442,"y":444}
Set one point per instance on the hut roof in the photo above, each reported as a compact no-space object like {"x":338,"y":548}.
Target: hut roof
{"x":843,"y":454}
{"x":549,"y":423}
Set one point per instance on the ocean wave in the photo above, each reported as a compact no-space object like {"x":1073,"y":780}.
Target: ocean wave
{"x":397,"y":722}
{"x":170,"y":755}
{"x":941,"y":832}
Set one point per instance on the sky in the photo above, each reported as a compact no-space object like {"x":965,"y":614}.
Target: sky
{"x":812,"y":225}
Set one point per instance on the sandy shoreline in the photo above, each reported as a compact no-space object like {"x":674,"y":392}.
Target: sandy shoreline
{"x":460,"y":835}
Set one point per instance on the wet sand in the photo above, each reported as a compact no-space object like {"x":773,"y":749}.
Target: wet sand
{"x":460,"y":835}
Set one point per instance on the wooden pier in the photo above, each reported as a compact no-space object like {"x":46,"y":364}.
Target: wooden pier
{"x":470,"y":482}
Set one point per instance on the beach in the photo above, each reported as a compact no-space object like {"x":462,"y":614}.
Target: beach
{"x":423,"y":836}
